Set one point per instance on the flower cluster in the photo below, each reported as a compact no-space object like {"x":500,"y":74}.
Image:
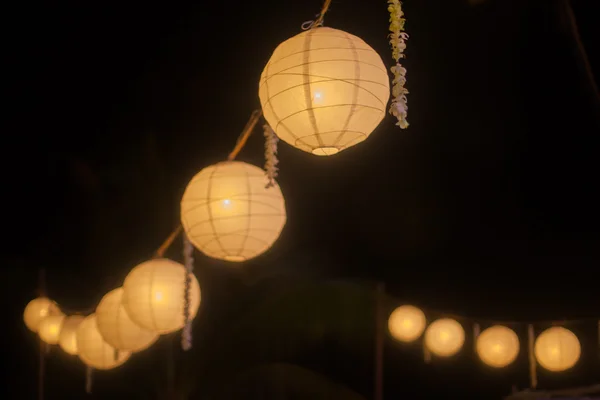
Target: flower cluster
{"x":271,"y":160}
{"x":398,"y":108}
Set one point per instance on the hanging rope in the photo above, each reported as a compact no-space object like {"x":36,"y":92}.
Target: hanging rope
{"x":319,"y":18}
{"x":188,"y":256}
{"x":254,"y":117}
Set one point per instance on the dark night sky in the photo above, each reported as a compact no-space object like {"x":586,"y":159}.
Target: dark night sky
{"x":487,"y":206}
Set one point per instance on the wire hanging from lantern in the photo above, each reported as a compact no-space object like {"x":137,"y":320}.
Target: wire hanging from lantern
{"x":319,"y":18}
{"x":188,"y":257}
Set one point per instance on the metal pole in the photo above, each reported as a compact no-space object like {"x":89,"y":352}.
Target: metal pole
{"x":379,"y":340}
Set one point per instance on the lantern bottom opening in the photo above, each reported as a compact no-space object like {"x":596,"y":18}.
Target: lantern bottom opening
{"x":235,"y":258}
{"x":325,"y":151}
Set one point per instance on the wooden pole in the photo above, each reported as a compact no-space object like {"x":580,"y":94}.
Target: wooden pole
{"x":42,"y":355}
{"x":379,"y":340}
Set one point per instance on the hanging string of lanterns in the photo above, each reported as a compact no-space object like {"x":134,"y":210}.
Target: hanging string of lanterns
{"x":555,"y":349}
{"x":322,"y":91}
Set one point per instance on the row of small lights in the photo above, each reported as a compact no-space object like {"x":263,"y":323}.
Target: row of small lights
{"x":556,"y":349}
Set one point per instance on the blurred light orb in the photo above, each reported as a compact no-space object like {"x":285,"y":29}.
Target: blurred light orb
{"x":228,"y":213}
{"x":498,"y":346}
{"x":324,"y":90}
{"x":557,"y":349}
{"x":50,"y":327}
{"x":153,"y":295}
{"x":36,"y":310}
{"x":444,"y":337}
{"x":93,"y":350}
{"x":68,"y":339}
{"x":407,"y":323}
{"x":117,"y":329}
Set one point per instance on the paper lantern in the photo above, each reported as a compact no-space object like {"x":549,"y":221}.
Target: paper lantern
{"x":37,"y":309}
{"x":557,"y":349}
{"x":50,"y":327}
{"x":68,"y":339}
{"x":444,"y":337}
{"x":117,"y":329}
{"x":406,"y":323}
{"x":228,"y":214}
{"x":324,"y":90}
{"x":497,"y":346}
{"x":153,"y":295}
{"x":93,"y":350}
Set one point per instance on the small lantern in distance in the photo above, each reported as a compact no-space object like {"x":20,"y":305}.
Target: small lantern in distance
{"x":497,"y":346}
{"x":93,"y":350}
{"x":444,"y":337}
{"x":37,"y":309}
{"x":50,"y":327}
{"x":153,"y":295}
{"x":117,"y":328}
{"x":557,"y":349}
{"x":68,"y":340}
{"x":406,"y":323}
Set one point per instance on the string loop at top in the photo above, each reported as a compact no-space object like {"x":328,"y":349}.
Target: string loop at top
{"x":306,"y":25}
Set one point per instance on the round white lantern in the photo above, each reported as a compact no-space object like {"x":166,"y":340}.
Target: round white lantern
{"x":153,"y":295}
{"x":324,"y":90}
{"x":93,"y":350}
{"x":117,"y":329}
{"x":228,"y":213}
{"x":68,"y":339}
{"x":50,"y":327}
{"x":37,"y":309}
{"x":444,"y":337}
{"x":557,"y":349}
{"x":406,"y":323}
{"x":498,"y":346}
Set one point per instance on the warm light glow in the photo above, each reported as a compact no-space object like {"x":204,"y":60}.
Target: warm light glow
{"x":444,"y":337}
{"x":557,"y":349}
{"x":406,"y":323}
{"x":228,"y":214}
{"x":117,"y":329}
{"x":68,"y":340}
{"x":36,"y":310}
{"x":153,"y":295}
{"x":324,"y":89}
{"x":49,"y":329}
{"x":498,"y":346}
{"x":93,"y":350}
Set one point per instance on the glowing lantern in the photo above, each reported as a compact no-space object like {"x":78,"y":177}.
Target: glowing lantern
{"x":498,"y":346}
{"x":50,"y":327}
{"x":444,"y":337}
{"x":117,"y":329}
{"x":557,"y":349}
{"x":153,"y":295}
{"x":68,"y":339}
{"x":228,"y":214}
{"x":406,"y":323}
{"x":324,"y":90}
{"x":37,"y":309}
{"x":93,"y":350}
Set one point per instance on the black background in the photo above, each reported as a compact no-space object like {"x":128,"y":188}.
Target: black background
{"x":487,"y":206}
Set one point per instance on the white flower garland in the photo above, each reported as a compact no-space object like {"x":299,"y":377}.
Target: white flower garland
{"x":399,"y":107}
{"x":271,"y":160}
